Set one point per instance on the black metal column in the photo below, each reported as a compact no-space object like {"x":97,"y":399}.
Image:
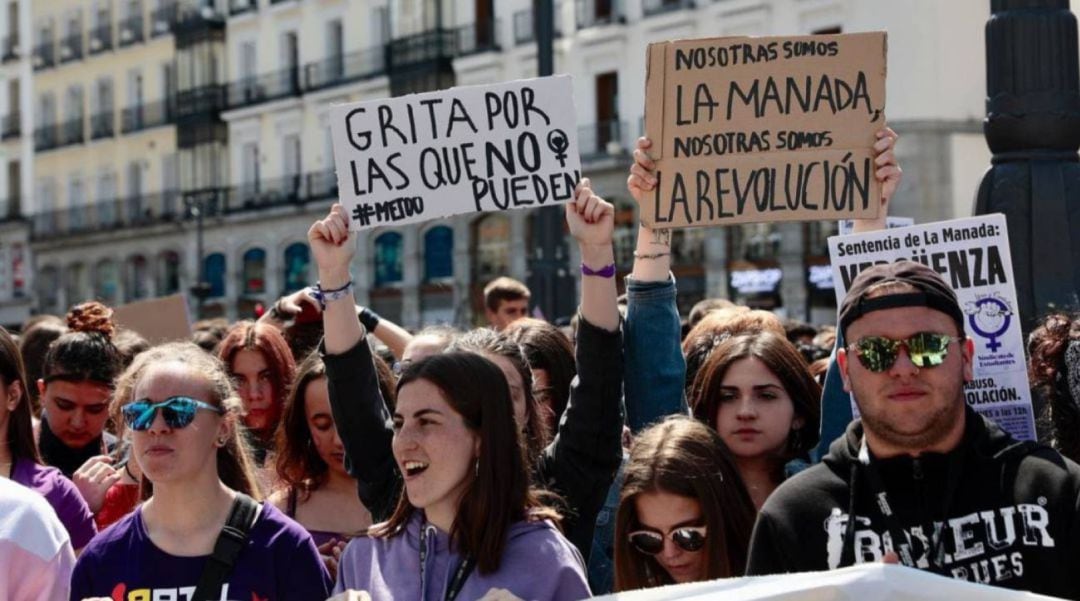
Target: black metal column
{"x":1033,"y":128}
{"x":550,"y":281}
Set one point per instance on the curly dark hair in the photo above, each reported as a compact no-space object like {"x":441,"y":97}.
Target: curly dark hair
{"x":1048,"y":371}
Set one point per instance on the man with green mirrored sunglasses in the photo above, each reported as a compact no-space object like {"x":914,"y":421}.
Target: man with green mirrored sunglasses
{"x":921,"y":479}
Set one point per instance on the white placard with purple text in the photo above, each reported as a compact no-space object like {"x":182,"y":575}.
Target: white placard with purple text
{"x":972,"y":254}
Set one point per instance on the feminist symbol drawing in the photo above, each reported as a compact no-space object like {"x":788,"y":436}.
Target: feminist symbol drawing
{"x":989,"y":317}
{"x":558,"y":143}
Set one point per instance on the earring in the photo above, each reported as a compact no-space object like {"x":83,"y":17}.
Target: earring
{"x":221,"y":442}
{"x":476,"y":467}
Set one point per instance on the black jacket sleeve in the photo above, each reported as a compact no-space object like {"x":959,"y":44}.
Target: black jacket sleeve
{"x":766,"y":550}
{"x":581,"y":461}
{"x":366,"y":429}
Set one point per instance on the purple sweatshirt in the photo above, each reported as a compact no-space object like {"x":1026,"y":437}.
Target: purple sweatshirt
{"x":538,"y":563}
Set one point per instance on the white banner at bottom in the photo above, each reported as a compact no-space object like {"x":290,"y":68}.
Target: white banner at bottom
{"x":866,"y":582}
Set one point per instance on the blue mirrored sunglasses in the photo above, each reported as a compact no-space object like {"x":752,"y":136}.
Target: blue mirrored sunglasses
{"x":178,"y":411}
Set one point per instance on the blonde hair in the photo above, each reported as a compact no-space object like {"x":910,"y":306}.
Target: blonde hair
{"x":235,"y":466}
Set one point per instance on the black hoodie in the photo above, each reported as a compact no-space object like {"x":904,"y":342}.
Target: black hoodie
{"x":1006,"y":511}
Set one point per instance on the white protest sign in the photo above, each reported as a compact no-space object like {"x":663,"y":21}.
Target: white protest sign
{"x":865,"y":582}
{"x":846,"y":226}
{"x":972,"y":254}
{"x":463,"y":150}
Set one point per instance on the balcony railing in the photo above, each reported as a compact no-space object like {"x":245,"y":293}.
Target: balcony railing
{"x":11,"y":127}
{"x":132,"y":30}
{"x":163,"y":19}
{"x":46,"y":137}
{"x":101,"y":38}
{"x":145,"y":116}
{"x":71,"y":48}
{"x":239,"y":7}
{"x":339,"y":70}
{"x":169,"y":206}
{"x":592,"y":13}
{"x":422,"y":47}
{"x":658,"y":7}
{"x":44,"y":55}
{"x":11,"y":48}
{"x":102,"y":125}
{"x":73,"y":132}
{"x":603,"y":139}
{"x":263,"y":88}
{"x":478,"y":37}
{"x":199,"y":101}
{"x":525,"y":28}
{"x":107,"y":215}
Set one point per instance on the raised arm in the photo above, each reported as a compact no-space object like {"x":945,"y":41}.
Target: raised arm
{"x":360,"y":414}
{"x":655,"y":366}
{"x":581,"y":461}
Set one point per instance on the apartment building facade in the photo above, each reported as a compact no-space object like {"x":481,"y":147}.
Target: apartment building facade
{"x":195,"y":145}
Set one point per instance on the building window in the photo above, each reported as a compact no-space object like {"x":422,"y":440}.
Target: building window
{"x":388,"y":263}
{"x":254,"y":271}
{"x":135,"y":282}
{"x":48,"y":285}
{"x":297,"y":261}
{"x":438,"y":253}
{"x":491,"y":255}
{"x":214,"y":272}
{"x":106,"y":281}
{"x":169,"y":273}
{"x":73,"y":284}
{"x":625,"y":234}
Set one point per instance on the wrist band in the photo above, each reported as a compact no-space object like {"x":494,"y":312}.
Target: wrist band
{"x":607,"y":271}
{"x":326,"y":296}
{"x":369,"y":319}
{"x":638,"y":255}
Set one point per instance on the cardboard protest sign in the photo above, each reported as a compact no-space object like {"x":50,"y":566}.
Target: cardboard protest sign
{"x":972,"y":254}
{"x":866,"y":582}
{"x":751,"y":129}
{"x":469,"y":149}
{"x":158,"y":320}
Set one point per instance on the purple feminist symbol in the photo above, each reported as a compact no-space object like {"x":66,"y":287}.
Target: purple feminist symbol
{"x":558,"y":143}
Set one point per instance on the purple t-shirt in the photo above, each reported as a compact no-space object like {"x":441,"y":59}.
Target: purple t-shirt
{"x":278,"y":563}
{"x":62,"y":494}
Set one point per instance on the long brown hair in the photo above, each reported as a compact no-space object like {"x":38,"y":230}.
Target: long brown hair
{"x":235,"y":465}
{"x":298,"y":464}
{"x":267,"y":340}
{"x":20,"y":429}
{"x":783,"y":360}
{"x":485,"y":340}
{"x":499,"y":495}
{"x":684,"y":457}
{"x":1049,"y":372}
{"x":547,"y":348}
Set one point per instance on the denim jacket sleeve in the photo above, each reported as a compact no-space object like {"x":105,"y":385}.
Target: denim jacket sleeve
{"x":363,"y":422}
{"x":655,"y":371}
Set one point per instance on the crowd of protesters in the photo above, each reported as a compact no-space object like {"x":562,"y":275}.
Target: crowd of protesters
{"x":325,"y":451}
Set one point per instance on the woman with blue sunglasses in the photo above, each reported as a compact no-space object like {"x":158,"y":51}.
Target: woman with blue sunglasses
{"x":185,"y":435}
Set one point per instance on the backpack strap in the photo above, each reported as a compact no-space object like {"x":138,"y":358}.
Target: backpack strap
{"x":229,"y":543}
